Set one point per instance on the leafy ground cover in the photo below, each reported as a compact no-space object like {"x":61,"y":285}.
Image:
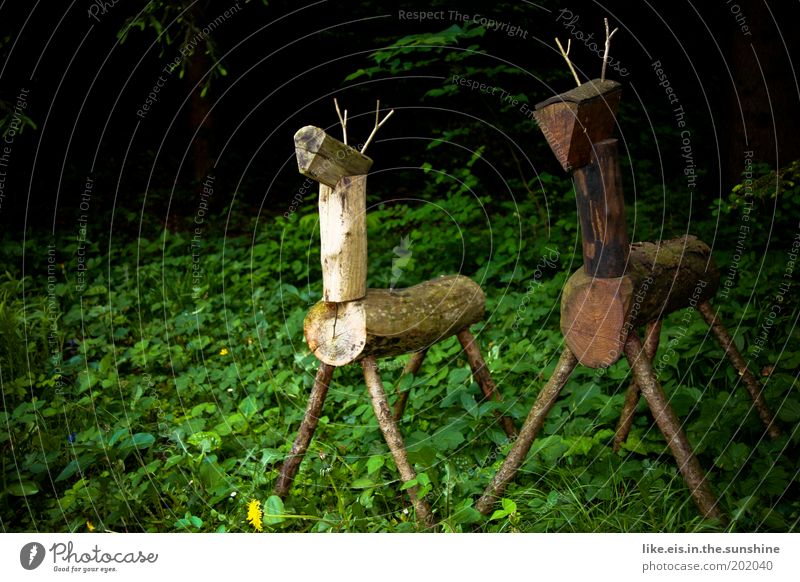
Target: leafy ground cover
{"x":155,"y":400}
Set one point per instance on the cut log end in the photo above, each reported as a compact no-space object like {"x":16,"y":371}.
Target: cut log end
{"x":573,"y":121}
{"x":336,"y":332}
{"x":326,"y":159}
{"x":395,"y":322}
{"x":593,"y":315}
{"x":598,"y":314}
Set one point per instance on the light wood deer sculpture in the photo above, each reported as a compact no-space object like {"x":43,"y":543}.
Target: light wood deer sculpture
{"x":621,"y":287}
{"x":355,"y":324}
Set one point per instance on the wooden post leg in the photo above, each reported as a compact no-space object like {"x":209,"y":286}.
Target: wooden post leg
{"x":689,"y":466}
{"x":653,"y":332}
{"x":307,"y":428}
{"x":481,"y":374}
{"x":544,"y":402}
{"x":411,"y":367}
{"x":753,"y":386}
{"x":393,"y":437}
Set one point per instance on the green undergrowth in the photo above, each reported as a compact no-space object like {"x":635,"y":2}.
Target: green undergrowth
{"x":152,"y":400}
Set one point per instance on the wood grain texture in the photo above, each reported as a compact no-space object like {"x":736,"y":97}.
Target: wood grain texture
{"x":601,"y":211}
{"x":572,"y":121}
{"x":326,"y":159}
{"x":598,"y":314}
{"x":343,"y":239}
{"x":593,"y":317}
{"x":336,"y":333}
{"x":398,"y":321}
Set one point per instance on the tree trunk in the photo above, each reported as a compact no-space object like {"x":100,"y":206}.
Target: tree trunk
{"x":199,"y":114}
{"x":394,"y":322}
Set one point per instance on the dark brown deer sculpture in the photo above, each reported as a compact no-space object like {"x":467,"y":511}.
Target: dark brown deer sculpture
{"x":621,"y":287}
{"x":355,"y":324}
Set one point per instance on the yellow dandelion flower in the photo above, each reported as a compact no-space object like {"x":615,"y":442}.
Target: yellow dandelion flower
{"x":223,"y":352}
{"x":254,"y":514}
{"x":90,"y":526}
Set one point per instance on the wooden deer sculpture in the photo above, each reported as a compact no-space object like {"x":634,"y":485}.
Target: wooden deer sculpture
{"x":621,"y":287}
{"x":355,"y":324}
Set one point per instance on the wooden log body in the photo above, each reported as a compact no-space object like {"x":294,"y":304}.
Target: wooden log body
{"x":343,"y":239}
{"x":601,"y":210}
{"x":326,"y":159}
{"x":573,"y":121}
{"x":393,"y":322}
{"x":597,"y":315}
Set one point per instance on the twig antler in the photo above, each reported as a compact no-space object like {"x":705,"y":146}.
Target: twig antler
{"x":608,"y":47}
{"x":342,"y":120}
{"x":378,"y":124}
{"x":565,"y":54}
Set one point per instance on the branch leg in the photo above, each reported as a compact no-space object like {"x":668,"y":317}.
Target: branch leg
{"x":751,"y":383}
{"x":670,"y":426}
{"x":544,"y":402}
{"x":411,"y":367}
{"x":306,"y":431}
{"x":484,"y":379}
{"x":653,"y":332}
{"x":392,"y":436}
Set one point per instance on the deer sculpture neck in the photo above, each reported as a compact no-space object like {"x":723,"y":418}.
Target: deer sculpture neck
{"x":578,"y":126}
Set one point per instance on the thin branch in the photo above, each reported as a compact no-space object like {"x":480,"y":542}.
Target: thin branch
{"x":608,"y":47}
{"x":342,"y":120}
{"x":378,"y":124}
{"x":565,"y":54}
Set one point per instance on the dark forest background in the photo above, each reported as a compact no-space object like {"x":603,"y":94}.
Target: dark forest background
{"x":155,"y":268}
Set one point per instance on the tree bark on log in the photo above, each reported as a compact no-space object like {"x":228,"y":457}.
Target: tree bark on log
{"x":670,"y":426}
{"x":343,"y":239}
{"x":632,"y":395}
{"x":601,"y":210}
{"x":598,"y":314}
{"x":325,"y":159}
{"x":306,"y":431}
{"x":544,"y":402}
{"x":393,"y":437}
{"x":395,"y":322}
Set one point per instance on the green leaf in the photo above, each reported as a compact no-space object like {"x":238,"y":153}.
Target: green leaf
{"x":467,"y":515}
{"x":409,"y":484}
{"x":363,"y":483}
{"x":206,"y":441}
{"x":274,"y":510}
{"x":374,"y":463}
{"x":23,"y":489}
{"x":68,"y":471}
{"x":249,"y":406}
{"x":498,"y":514}
{"x":447,"y":439}
{"x":141,"y":440}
